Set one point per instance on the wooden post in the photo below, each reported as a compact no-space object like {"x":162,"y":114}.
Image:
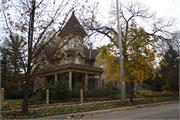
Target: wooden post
{"x":2,"y":97}
{"x":47,"y":96}
{"x":81,"y":96}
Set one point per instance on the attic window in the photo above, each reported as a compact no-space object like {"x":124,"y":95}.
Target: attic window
{"x":73,"y":43}
{"x":79,"y":44}
{"x":64,"y":45}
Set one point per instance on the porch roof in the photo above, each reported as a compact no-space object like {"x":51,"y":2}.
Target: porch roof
{"x":70,"y":67}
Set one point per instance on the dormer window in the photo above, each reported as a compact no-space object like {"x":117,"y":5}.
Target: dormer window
{"x":79,"y":44}
{"x":73,"y":43}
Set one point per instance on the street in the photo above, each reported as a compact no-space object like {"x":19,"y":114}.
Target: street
{"x":170,"y":111}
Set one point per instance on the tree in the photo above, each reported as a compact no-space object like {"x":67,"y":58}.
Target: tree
{"x":33,"y":19}
{"x":138,"y":57}
{"x":170,"y":70}
{"x":130,"y":13}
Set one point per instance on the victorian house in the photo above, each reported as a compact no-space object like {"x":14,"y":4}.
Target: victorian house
{"x":73,"y":62}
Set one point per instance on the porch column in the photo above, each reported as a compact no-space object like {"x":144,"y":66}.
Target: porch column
{"x":86,"y":81}
{"x":56,"y":78}
{"x":70,"y":80}
{"x":100,"y":81}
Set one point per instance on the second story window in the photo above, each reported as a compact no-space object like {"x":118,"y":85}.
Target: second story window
{"x":73,"y":43}
{"x":77,"y":60}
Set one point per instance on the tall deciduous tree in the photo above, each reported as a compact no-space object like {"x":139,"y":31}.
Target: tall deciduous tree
{"x":138,"y":56}
{"x":131,"y":12}
{"x":32,"y":20}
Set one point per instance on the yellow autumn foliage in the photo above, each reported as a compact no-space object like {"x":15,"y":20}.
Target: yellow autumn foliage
{"x":139,"y":51}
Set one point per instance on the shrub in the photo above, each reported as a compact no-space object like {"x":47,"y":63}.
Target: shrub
{"x":60,"y":91}
{"x":36,"y":99}
{"x":18,"y":94}
{"x":95,"y":93}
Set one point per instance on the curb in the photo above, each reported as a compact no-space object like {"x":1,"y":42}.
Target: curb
{"x":67,"y":116}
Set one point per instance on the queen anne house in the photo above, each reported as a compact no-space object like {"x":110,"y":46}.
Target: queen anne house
{"x":73,"y":62}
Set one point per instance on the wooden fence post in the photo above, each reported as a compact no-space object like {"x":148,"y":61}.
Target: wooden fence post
{"x":81,"y":96}
{"x":47,"y":96}
{"x":2,"y":97}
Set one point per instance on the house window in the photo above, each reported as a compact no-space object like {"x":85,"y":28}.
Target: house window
{"x":64,"y":45}
{"x":73,"y":43}
{"x":79,"y":44}
{"x":77,"y":60}
{"x":69,"y":44}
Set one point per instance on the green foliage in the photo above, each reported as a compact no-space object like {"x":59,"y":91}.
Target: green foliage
{"x":79,"y":86}
{"x":95,"y":93}
{"x":60,"y":91}
{"x":170,"y":70}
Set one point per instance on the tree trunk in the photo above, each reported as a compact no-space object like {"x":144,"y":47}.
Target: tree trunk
{"x":26,"y":95}
{"x":131,"y":91}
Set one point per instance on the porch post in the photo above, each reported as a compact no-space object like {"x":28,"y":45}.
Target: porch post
{"x":100,"y":81}
{"x":70,"y":80}
{"x":86,"y":81}
{"x":55,"y":78}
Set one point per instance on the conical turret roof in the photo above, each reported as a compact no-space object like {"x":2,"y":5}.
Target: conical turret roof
{"x":73,"y":26}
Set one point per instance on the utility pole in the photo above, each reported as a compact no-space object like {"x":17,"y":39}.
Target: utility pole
{"x":121,"y":57}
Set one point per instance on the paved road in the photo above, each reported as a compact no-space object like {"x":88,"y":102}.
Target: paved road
{"x":170,"y":111}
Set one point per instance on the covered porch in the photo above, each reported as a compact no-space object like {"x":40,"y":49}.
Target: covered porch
{"x":74,"y":73}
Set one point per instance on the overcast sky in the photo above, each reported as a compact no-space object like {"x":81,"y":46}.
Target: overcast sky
{"x":163,"y":8}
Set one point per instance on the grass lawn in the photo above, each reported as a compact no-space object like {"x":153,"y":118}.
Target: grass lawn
{"x":58,"y":110}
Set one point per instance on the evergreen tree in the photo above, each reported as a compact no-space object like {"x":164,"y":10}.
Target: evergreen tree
{"x":170,"y":70}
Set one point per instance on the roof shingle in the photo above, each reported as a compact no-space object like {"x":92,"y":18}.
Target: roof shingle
{"x":72,"y":26}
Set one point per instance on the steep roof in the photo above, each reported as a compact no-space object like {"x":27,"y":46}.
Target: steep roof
{"x":145,"y":85}
{"x":72,"y":26}
{"x":90,"y":54}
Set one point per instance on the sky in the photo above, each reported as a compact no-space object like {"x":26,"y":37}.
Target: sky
{"x":163,"y":8}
